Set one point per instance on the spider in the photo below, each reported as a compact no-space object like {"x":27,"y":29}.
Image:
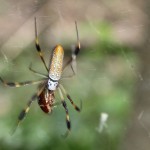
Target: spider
{"x":49,"y":83}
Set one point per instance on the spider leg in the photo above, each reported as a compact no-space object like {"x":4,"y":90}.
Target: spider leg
{"x":69,"y":76}
{"x":19,"y":84}
{"x":38,"y":48}
{"x":37,"y":73}
{"x":70,"y":99}
{"x":56,"y":104}
{"x":67,"y":114}
{"x":75,"y":52}
{"x":24,"y":112}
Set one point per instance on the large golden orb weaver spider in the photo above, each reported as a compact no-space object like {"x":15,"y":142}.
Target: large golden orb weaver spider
{"x":49,"y":83}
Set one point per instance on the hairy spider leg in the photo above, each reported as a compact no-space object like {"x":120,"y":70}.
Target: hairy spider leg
{"x":19,"y":84}
{"x":38,"y":48}
{"x":75,"y":52}
{"x":37,"y":73}
{"x":24,"y":112}
{"x":68,"y":123}
{"x":70,"y":99}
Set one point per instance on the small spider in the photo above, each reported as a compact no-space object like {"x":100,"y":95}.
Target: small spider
{"x":49,"y":83}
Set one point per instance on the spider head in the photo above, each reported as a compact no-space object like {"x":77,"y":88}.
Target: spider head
{"x":52,"y":85}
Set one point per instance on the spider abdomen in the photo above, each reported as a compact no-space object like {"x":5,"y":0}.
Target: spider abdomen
{"x":46,"y":100}
{"x":56,"y":63}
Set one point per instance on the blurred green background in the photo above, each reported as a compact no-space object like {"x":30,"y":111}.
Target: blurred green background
{"x":108,"y":72}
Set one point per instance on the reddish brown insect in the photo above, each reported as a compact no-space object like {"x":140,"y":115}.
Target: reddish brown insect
{"x":46,"y":100}
{"x":49,"y":83}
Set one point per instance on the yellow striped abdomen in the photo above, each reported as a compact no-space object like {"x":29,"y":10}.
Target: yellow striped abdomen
{"x":56,"y":65}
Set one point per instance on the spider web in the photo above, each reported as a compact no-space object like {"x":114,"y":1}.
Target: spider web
{"x":100,"y":75}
